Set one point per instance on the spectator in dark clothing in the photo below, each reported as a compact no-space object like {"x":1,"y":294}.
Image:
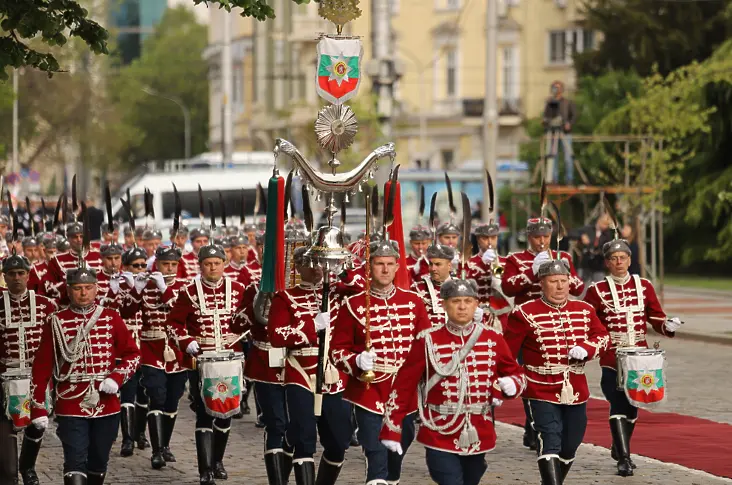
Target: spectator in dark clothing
{"x":592,"y":262}
{"x":96,"y":218}
{"x":560,"y":115}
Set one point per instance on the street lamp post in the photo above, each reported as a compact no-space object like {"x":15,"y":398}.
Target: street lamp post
{"x":186,"y":116}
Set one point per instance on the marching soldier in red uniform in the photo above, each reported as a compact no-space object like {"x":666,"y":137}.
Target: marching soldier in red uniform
{"x":199,"y":238}
{"x":466,"y":368}
{"x":163,"y":378}
{"x":521,"y":282}
{"x":557,"y":337}
{"x":625,"y":304}
{"x":108,"y":279}
{"x":39,"y":269}
{"x":22,"y":317}
{"x":179,"y":236}
{"x":251,"y":273}
{"x":90,"y":354}
{"x":208,"y":317}
{"x":295,"y":319}
{"x":64,"y":261}
{"x":486,"y":269}
{"x":31,"y":251}
{"x":439,"y":258}
{"x":151,"y":239}
{"x":448,"y":234}
{"x":393,"y":317}
{"x":129,"y":235}
{"x":239,"y":250}
{"x":419,"y":240}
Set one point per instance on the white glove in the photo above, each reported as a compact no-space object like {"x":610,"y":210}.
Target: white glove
{"x":540,"y":259}
{"x":578,"y":353}
{"x":114,"y":285}
{"x":488,"y":256}
{"x":478,"y":315}
{"x":41,"y":423}
{"x":507,"y":385}
{"x":393,"y":446}
{"x":128,"y":277}
{"x":365,"y":360}
{"x":159,"y":280}
{"x":496,"y":283}
{"x":140,"y":285}
{"x":455,"y":261}
{"x":109,"y":386}
{"x":322,"y":321}
{"x":673,"y":324}
{"x":193,"y":348}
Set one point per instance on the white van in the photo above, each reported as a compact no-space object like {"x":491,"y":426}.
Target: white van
{"x":243,"y":173}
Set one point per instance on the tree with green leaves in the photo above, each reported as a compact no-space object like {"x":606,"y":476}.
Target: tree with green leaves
{"x":53,"y":22}
{"x":641,"y":34}
{"x":171,"y":67}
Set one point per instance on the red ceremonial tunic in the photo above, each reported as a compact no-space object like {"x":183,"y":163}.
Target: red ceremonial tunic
{"x":78,"y":364}
{"x":203,"y":310}
{"x":155,"y":335}
{"x":625,"y":309}
{"x":429,"y":292}
{"x":37,"y":277}
{"x":232,"y":270}
{"x":454,"y":394}
{"x":395,"y":320}
{"x":63,"y":262}
{"x":21,"y":325}
{"x":257,"y":366}
{"x":188,"y":266}
{"x":546,"y":333}
{"x":488,"y":294}
{"x":520,"y":283}
{"x":250,"y":274}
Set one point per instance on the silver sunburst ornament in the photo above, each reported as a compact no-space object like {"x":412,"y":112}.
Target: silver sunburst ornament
{"x":336,"y":127}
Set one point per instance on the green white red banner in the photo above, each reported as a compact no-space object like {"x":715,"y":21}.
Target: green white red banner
{"x":339,"y":69}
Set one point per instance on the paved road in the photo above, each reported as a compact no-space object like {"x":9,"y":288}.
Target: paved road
{"x":689,"y":362}
{"x":707,"y":313}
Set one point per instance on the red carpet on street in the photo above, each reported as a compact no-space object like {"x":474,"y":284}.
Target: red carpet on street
{"x":685,"y":440}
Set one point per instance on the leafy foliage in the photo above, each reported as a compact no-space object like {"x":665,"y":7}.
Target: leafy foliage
{"x":171,"y":64}
{"x":55,"y":21}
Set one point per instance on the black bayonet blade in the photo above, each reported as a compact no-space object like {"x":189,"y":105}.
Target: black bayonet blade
{"x":108,"y":204}
{"x":389,"y":205}
{"x":86,"y":244}
{"x":128,"y":208}
{"x":66,"y":209}
{"x":129,"y":203}
{"x":433,"y":216}
{"x":307,"y":210}
{"x":30,"y":216}
{"x":374,"y":206}
{"x":242,"y":215}
{"x":257,"y":200}
{"x":74,"y":200}
{"x":11,"y":216}
{"x":611,"y":213}
{"x":420,"y":212}
{"x":201,"y":207}
{"x":212,"y":215}
{"x":467,"y":244}
{"x":43,"y":215}
{"x":57,"y":212}
{"x":343,"y":214}
{"x":288,"y":195}
{"x":450,"y":198}
{"x":178,"y":210}
{"x":491,"y":193}
{"x":222,"y":207}
{"x":262,"y":200}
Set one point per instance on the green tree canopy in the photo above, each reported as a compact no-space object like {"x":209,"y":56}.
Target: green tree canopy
{"x":639,"y":34}
{"x":171,"y":65}
{"x":54,"y":21}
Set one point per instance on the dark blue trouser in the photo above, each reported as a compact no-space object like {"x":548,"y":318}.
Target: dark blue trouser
{"x":203,"y":419}
{"x":163,"y":390}
{"x":619,"y":404}
{"x":87,"y":442}
{"x":132,"y":392}
{"x":453,"y":469}
{"x":333,"y":425}
{"x":273,"y":403}
{"x":560,"y":428}
{"x":381,"y":464}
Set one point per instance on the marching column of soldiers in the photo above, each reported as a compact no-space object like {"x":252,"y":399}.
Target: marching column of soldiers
{"x":104,"y":337}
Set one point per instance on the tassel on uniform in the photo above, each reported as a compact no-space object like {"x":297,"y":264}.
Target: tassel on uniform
{"x":567,"y":393}
{"x":468,"y":435}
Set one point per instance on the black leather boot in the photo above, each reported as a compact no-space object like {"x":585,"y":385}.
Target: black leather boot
{"x":328,"y":472}
{"x":621,"y":441}
{"x":614,"y":453}
{"x":157,"y":433}
{"x":127,"y":424}
{"x":549,"y":470}
{"x":140,"y":425}
{"x":32,"y":440}
{"x":287,"y":463}
{"x":305,"y":473}
{"x":168,"y":426}
{"x":93,"y":478}
{"x":564,"y":469}
{"x":275,"y":466}
{"x":221,"y":438}
{"x":204,"y":452}
{"x":75,"y":478}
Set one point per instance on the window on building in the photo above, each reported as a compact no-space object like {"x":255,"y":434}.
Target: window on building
{"x":557,"y":47}
{"x":564,"y":43}
{"x":448,"y":159}
{"x":588,"y":39}
{"x":509,"y":70}
{"x":237,"y":88}
{"x":451,"y":68}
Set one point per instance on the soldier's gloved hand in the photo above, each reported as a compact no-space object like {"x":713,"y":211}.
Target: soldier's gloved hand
{"x":140,"y":285}
{"x":128,"y":277}
{"x":507,"y":385}
{"x":159,"y":280}
{"x":673,"y":324}
{"x":109,"y":386}
{"x":365,"y":360}
{"x":193,"y":348}
{"x":114,"y":285}
{"x":478,"y":315}
{"x":497,"y":402}
{"x":489,"y":255}
{"x":496,"y":283}
{"x":40,"y":423}
{"x":455,"y":261}
{"x":540,"y":259}
{"x":578,"y":353}
{"x":322,"y":321}
{"x":393,"y":446}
